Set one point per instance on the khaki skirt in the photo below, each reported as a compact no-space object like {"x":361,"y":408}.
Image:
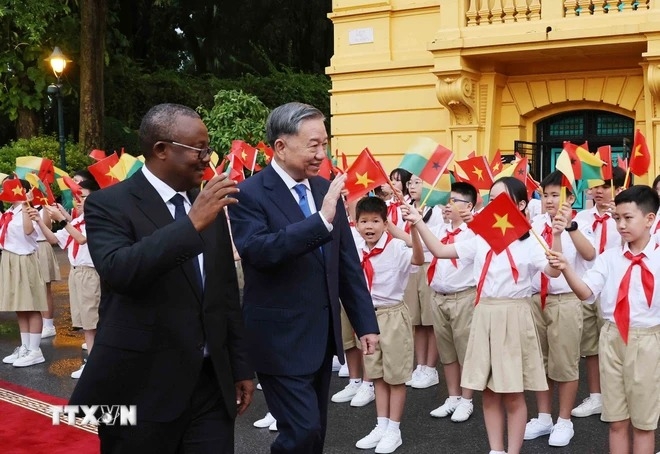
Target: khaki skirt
{"x":503,"y":352}
{"x":21,"y":286}
{"x":50,"y":268}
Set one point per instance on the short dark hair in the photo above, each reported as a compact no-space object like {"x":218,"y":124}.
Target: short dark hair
{"x":618,"y":178}
{"x":371,"y":205}
{"x":285,"y":120}
{"x":655,"y":182}
{"x":466,"y":190}
{"x":84,"y":174}
{"x":644,"y":197}
{"x":158,"y":122}
{"x":555,"y":179}
{"x":90,"y":185}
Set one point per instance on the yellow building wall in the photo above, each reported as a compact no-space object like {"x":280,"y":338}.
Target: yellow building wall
{"x":479,"y":75}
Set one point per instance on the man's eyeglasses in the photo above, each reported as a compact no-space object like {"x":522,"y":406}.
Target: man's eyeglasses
{"x":454,"y":200}
{"x":201,"y":152}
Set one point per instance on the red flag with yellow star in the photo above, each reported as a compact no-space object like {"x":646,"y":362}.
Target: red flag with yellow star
{"x":364,"y":175}
{"x":245,"y":153}
{"x":478,"y":172}
{"x":100,"y":170}
{"x":500,"y":223}
{"x":496,"y":163}
{"x":640,"y":158}
{"x":12,"y":191}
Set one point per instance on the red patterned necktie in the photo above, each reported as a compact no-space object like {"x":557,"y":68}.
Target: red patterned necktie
{"x":622,"y":308}
{"x":602,"y":220}
{"x":393,"y":212}
{"x":366,"y":261}
{"x":484,"y":271}
{"x":76,"y":246}
{"x":4,"y":224}
{"x":448,"y":239}
{"x":545,"y":280}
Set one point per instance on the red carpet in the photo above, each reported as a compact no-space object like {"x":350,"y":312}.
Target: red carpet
{"x":26,"y":425}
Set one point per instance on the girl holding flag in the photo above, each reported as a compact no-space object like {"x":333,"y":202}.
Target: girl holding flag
{"x":503,"y":357}
{"x":22,"y":288}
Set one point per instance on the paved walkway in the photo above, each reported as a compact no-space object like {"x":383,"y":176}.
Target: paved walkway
{"x":421,"y":433}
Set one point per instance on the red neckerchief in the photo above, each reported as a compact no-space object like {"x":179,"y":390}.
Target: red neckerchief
{"x":76,"y":246}
{"x":602,"y":220}
{"x":366,"y":260}
{"x":393,"y":211}
{"x":448,"y":239}
{"x":622,"y":308}
{"x":4,"y":225}
{"x":484,"y":271}
{"x":545,"y":280}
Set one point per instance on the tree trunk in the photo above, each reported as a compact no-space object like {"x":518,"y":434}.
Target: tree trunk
{"x":27,"y":124}
{"x":92,"y":52}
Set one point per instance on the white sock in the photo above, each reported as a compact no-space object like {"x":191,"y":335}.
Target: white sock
{"x":419,"y":368}
{"x":368,"y":383}
{"x":382,"y":422}
{"x":48,"y":323}
{"x":35,"y":340}
{"x":466,"y":400}
{"x":497,"y":452}
{"x":25,"y":339}
{"x":564,"y":420}
{"x":393,"y":426}
{"x":355,"y":381}
{"x":454,"y":398}
{"x":596,"y":396}
{"x":545,"y":419}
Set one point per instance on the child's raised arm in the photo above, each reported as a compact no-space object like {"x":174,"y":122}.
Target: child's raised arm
{"x":442,"y":251}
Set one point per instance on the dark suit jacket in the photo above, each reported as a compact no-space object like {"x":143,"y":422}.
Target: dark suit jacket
{"x":154,"y":319}
{"x":292,"y":288}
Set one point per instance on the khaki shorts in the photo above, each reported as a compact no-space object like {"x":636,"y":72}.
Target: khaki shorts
{"x":452,"y":317}
{"x":417,"y":297}
{"x":592,"y":322}
{"x":348,"y":336}
{"x":84,"y":296}
{"x":393,"y":359}
{"x":559,"y":327}
{"x":630,"y":376}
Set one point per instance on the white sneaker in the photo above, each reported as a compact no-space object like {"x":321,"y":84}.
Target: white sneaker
{"x":264,"y":422}
{"x":445,"y":409}
{"x":589,"y":406}
{"x":415,"y":376}
{"x":561,"y":434}
{"x":30,"y":359}
{"x":390,"y":441}
{"x":535,"y":429}
{"x":48,"y":332}
{"x":84,"y":346}
{"x":371,"y":440}
{"x":273,"y":427}
{"x":426,"y":379}
{"x":18,"y":352}
{"x":346,"y":394}
{"x":463,"y":411}
{"x":343,"y":371}
{"x":259,"y":387}
{"x":78,"y":373}
{"x":363,"y":396}
{"x":336,"y":365}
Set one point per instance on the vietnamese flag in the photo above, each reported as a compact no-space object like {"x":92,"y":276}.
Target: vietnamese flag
{"x":76,"y":190}
{"x":41,"y":193}
{"x":364,"y":175}
{"x":101,"y":170}
{"x":13,"y":191}
{"x":640,"y":158}
{"x":500,"y":223}
{"x":266,"y":150}
{"x":478,"y":172}
{"x":496,"y":163}
{"x":43,"y":167}
{"x":325,"y":170}
{"x":245,"y":153}
{"x":97,"y":155}
{"x":605,"y":154}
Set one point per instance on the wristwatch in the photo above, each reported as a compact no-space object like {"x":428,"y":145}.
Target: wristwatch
{"x":63,"y":223}
{"x":573,"y":227}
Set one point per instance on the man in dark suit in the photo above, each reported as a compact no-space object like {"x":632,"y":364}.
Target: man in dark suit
{"x":170,"y":337}
{"x":299,"y":259}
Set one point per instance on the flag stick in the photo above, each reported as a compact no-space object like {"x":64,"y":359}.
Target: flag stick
{"x":625,"y":182}
{"x":541,"y":242}
{"x":430,"y":190}
{"x":612,"y":187}
{"x":562,"y":196}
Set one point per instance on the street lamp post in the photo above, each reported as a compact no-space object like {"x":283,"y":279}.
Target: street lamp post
{"x":58,"y":63}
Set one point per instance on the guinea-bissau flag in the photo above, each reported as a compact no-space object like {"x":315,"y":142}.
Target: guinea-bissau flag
{"x":426,"y":159}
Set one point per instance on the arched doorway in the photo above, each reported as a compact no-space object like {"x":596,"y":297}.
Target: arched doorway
{"x":596,"y":127}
